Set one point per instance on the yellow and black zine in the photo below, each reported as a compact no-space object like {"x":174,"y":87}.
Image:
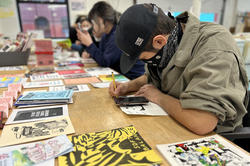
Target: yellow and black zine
{"x":122,"y":146}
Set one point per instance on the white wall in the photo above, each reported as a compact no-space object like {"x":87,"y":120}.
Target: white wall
{"x":119,"y":5}
{"x":10,"y":26}
{"x":207,"y":6}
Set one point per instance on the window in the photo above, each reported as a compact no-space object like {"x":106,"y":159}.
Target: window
{"x":50,"y":16}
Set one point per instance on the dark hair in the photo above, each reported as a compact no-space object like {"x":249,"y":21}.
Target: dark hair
{"x":164,"y":25}
{"x":105,"y":11}
{"x":81,"y":18}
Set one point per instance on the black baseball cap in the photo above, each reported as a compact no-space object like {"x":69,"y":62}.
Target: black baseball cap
{"x":133,"y":31}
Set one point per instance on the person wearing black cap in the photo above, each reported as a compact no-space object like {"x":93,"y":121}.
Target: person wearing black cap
{"x":104,"y":19}
{"x":194,"y":69}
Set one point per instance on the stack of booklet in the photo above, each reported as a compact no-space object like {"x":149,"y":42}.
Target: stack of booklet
{"x":45,"y":98}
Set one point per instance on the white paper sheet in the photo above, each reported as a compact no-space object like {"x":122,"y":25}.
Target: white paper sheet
{"x":96,"y":71}
{"x":147,"y":109}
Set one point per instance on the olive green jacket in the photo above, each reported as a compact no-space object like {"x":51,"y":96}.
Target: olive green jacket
{"x":207,"y":73}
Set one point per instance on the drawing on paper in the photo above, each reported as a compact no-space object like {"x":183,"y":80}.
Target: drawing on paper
{"x":40,"y":129}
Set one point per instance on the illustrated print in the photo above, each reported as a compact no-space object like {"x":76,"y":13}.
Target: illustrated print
{"x":114,"y":147}
{"x":204,"y":152}
{"x":40,"y":129}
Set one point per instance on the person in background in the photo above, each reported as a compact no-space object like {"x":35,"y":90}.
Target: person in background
{"x":104,"y":20}
{"x":195,"y":71}
{"x":76,"y":44}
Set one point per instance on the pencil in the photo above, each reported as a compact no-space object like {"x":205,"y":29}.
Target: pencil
{"x":113,"y":78}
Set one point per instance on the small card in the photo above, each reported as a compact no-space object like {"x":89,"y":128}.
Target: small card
{"x":8,"y":100}
{"x":75,"y":88}
{"x":5,"y":109}
{"x":15,"y":87}
{"x":81,"y":80}
{"x":10,"y":94}
{"x":61,"y":72}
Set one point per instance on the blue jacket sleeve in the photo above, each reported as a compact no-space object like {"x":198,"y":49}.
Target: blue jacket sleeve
{"x":107,"y":56}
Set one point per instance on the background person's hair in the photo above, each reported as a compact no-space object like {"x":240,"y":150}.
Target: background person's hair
{"x":80,"y":19}
{"x":105,"y":11}
{"x":164,"y":25}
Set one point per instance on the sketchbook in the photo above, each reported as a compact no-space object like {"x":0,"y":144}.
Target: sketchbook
{"x":33,"y":131}
{"x":213,"y":150}
{"x":35,"y":153}
{"x":36,"y":114}
{"x":121,"y":146}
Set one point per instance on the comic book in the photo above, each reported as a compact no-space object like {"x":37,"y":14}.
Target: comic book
{"x":121,"y":146}
{"x":210,"y":151}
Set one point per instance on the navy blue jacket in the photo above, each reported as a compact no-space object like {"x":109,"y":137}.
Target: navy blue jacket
{"x":108,"y":55}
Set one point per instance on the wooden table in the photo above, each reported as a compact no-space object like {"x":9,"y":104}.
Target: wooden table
{"x":95,"y":110}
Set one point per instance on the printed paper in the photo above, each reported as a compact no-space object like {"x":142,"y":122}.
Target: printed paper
{"x":32,"y":131}
{"x":212,"y":150}
{"x":35,"y":114}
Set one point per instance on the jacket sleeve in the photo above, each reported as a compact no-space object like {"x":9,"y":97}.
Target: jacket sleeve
{"x":107,"y":56}
{"x":216,"y":85}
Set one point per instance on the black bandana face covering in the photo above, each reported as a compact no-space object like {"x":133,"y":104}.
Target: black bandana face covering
{"x":163,"y":57}
{"x":155,"y":60}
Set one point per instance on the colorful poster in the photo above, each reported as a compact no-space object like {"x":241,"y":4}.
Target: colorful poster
{"x":210,"y":151}
{"x":35,"y":114}
{"x":32,"y":131}
{"x":122,"y":146}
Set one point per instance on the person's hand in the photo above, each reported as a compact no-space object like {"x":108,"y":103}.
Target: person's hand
{"x":85,"y":54}
{"x":150,"y":92}
{"x":77,"y":42}
{"x":121,"y":89}
{"x":84,"y":37}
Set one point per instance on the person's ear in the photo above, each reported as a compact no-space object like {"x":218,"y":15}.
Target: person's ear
{"x":159,"y":41}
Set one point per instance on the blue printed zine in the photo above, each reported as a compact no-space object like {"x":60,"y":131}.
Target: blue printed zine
{"x":51,"y":95}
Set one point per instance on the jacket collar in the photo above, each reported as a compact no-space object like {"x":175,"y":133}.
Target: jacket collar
{"x":190,"y":35}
